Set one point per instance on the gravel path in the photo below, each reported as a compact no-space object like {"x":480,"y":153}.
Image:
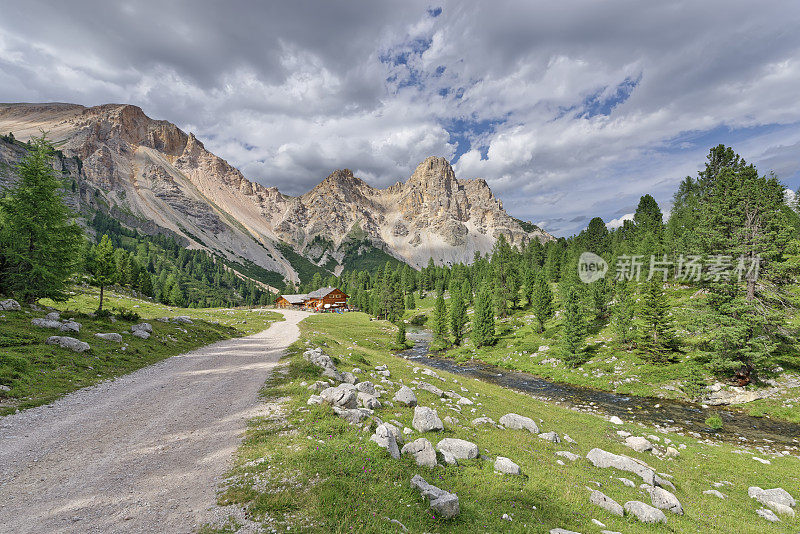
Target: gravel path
{"x":143,"y":453}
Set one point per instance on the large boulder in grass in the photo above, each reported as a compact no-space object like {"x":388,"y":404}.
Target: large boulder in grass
{"x":644,"y":512}
{"x":459,"y":449}
{"x":519,"y":422}
{"x":604,"y":459}
{"x":426,"y":419}
{"x":70,"y":326}
{"x":664,"y":500}
{"x":146,"y":327}
{"x":422,"y":451}
{"x":111,"y":336}
{"x":342,"y":396}
{"x":778,"y":499}
{"x":445,"y":504}
{"x":639,"y":444}
{"x":605,"y":502}
{"x":70,"y":343}
{"x":385,"y":438}
{"x":46,"y":323}
{"x":10,"y":305}
{"x":405,"y":396}
{"x":506,"y":466}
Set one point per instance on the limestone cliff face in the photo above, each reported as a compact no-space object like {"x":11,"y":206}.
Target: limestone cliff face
{"x":155,"y":171}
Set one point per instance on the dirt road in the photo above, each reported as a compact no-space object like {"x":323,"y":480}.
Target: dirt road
{"x":143,"y":453}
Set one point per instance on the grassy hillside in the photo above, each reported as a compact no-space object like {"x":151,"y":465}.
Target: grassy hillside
{"x":37,"y":373}
{"x":301,"y":468}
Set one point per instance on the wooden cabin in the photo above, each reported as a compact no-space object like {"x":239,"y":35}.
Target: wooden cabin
{"x":291,"y":301}
{"x":326,"y":299}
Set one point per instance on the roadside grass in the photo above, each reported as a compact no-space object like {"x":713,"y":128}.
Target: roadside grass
{"x":613,"y":367}
{"x":37,"y":373}
{"x":302,"y":469}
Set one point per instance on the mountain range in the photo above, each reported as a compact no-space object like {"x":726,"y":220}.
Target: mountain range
{"x":152,"y":176}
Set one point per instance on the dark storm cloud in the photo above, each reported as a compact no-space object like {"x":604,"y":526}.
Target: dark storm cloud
{"x":570,"y":110}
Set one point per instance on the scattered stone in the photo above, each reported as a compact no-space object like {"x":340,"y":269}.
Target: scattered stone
{"x":442,"y":502}
{"x":777,"y":499}
{"x":506,"y":517}
{"x":562,"y":531}
{"x":638,"y":444}
{"x":460,"y":449}
{"x":366,"y":387}
{"x":599,"y":523}
{"x":70,"y":343}
{"x":571,"y":456}
{"x":53,"y":316}
{"x":140,"y":334}
{"x":10,"y":305}
{"x":385,"y":438}
{"x":422,"y":451}
{"x":46,"y":323}
{"x":627,"y":482}
{"x":352,"y":416}
{"x":664,"y":500}
{"x":623,"y":434}
{"x":430,"y":389}
{"x":483,"y":421}
{"x":519,"y":422}
{"x":568,"y":439}
{"x":70,"y":326}
{"x":463,"y":401}
{"x":604,"y":459}
{"x":113,"y":336}
{"x":715,"y":493}
{"x":147,"y":327}
{"x":405,"y":396}
{"x":358,"y":371}
{"x":506,"y":466}
{"x":343,"y":396}
{"x":672,"y":452}
{"x":182,"y":319}
{"x":314,"y":399}
{"x":550,"y":436}
{"x":368,"y":401}
{"x":426,"y":419}
{"x":451,"y":421}
{"x":761,"y":460}
{"x":348,"y":377}
{"x":614,"y":420}
{"x":769,"y":515}
{"x":645,"y":513}
{"x":605,"y":502}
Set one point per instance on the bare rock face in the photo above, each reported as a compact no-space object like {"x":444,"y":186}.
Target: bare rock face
{"x":156,"y":172}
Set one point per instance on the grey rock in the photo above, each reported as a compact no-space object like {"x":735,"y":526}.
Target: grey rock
{"x":672,"y":452}
{"x":386,"y":438}
{"x":664,"y":500}
{"x":644,"y":512}
{"x":70,"y":343}
{"x":430,"y":389}
{"x":405,"y":396}
{"x":568,"y":439}
{"x":562,"y":531}
{"x":715,"y":493}
{"x":348,"y":377}
{"x":422,"y":451}
{"x":368,"y":401}
{"x":775,"y":495}
{"x":10,"y":305}
{"x":352,"y":416}
{"x":460,"y":449}
{"x":483,"y":421}
{"x":550,"y":436}
{"x":112,"y":336}
{"x":445,"y":504}
{"x":448,"y":458}
{"x":769,"y":515}
{"x":426,"y":419}
{"x":506,"y":466}
{"x":571,"y":456}
{"x":314,"y":399}
{"x":605,"y":502}
{"x":4,"y":388}
{"x":638,"y":444}
{"x":183,"y":319}
{"x":53,"y":316}
{"x":519,"y":422}
{"x":463,"y":401}
{"x":614,"y":420}
{"x":46,"y":323}
{"x":366,"y":387}
{"x":627,"y":482}
{"x":343,"y":396}
{"x":332,"y":372}
{"x":147,"y":327}
{"x":140,"y":334}
{"x":604,"y":459}
{"x":70,"y":326}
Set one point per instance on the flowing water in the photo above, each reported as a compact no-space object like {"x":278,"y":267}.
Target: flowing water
{"x":673,"y":415}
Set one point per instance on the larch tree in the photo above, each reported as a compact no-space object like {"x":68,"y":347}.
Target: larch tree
{"x":458,"y":316}
{"x":542,"y":300}
{"x":483,"y":328}
{"x":574,"y":332}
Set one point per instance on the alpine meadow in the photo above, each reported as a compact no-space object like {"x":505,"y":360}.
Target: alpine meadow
{"x":382,"y":267}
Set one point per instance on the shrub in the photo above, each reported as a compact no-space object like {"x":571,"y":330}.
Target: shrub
{"x":124,"y":314}
{"x":714,"y":422}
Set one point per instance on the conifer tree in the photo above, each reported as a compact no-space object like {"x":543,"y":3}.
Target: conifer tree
{"x":410,"y":302}
{"x":574,"y":335}
{"x":401,"y":333}
{"x":656,"y":336}
{"x":483,"y":331}
{"x":440,"y":319}
{"x":623,"y":311}
{"x":104,"y":267}
{"x":40,"y":246}
{"x":542,"y":300}
{"x":458,"y":316}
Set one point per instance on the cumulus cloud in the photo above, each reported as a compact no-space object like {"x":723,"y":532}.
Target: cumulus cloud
{"x":568,"y":110}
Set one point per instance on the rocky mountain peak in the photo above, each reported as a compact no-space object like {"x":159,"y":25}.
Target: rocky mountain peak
{"x":434,"y":174}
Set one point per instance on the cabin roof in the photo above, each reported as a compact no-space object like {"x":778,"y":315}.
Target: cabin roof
{"x":295,"y":299}
{"x":321,"y":292}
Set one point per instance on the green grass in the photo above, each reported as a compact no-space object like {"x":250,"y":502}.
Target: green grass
{"x":303,"y":469}
{"x":38,"y":373}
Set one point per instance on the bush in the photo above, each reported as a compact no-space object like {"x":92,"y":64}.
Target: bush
{"x":124,"y":314}
{"x":102,"y":314}
{"x":418,"y":320}
{"x":714,"y":422}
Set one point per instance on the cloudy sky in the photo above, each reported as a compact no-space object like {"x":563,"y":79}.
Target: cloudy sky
{"x":569,"y":109}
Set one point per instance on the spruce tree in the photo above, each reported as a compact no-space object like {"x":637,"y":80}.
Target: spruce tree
{"x":440,"y":319}
{"x":458,"y":316}
{"x":401,"y":333}
{"x":40,"y":245}
{"x":410,"y":302}
{"x":542,"y":299}
{"x":483,"y":331}
{"x":622,"y":313}
{"x":574,"y":334}
{"x":104,"y":267}
{"x":656,"y":336}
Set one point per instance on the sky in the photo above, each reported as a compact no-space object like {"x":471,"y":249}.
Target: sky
{"x":569,"y":110}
